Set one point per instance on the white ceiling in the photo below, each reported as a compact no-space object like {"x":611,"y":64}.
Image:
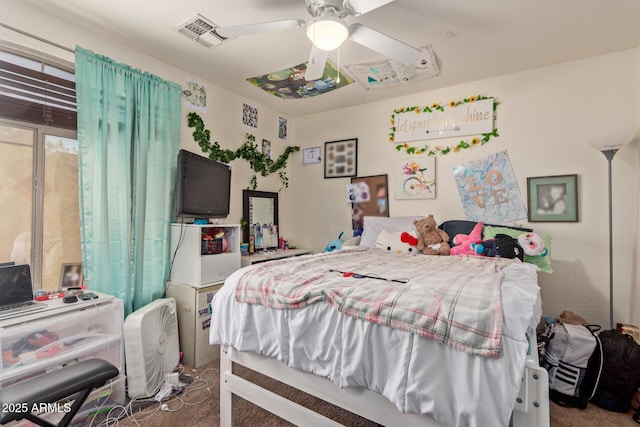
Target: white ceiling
{"x":472,"y":39}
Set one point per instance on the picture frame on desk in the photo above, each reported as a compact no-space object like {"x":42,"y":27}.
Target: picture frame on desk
{"x":71,"y":276}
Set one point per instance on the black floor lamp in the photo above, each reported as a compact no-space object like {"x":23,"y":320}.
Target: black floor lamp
{"x":609,"y":152}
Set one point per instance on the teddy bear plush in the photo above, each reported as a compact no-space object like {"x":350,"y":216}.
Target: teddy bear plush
{"x":464,"y":243}
{"x":431,"y":240}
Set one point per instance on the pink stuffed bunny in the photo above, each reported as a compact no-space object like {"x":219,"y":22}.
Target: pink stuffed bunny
{"x":463,"y":242}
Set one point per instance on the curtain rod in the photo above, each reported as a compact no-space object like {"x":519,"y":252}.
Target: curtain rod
{"x":9,"y":27}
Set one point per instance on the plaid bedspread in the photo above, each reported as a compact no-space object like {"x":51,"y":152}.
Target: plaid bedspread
{"x":454,"y":300}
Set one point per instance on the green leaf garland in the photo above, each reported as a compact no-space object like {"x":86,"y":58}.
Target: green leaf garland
{"x":440,"y":149}
{"x":259,"y":162}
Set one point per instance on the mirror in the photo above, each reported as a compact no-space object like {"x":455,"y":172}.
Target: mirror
{"x":260,"y":211}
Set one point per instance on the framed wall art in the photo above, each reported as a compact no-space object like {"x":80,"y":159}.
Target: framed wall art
{"x":311,"y":155}
{"x":415,"y":178}
{"x":341,"y":158}
{"x":553,"y":198}
{"x":377,"y":195}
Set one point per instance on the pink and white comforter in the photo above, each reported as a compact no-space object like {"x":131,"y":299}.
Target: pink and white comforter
{"x":453,"y":300}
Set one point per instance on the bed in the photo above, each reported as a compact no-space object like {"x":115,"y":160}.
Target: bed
{"x":401,"y":366}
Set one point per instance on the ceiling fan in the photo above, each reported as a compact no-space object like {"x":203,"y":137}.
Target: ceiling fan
{"x":327,"y":31}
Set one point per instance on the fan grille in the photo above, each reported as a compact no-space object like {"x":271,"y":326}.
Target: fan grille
{"x":152,"y":346}
{"x":200,"y":29}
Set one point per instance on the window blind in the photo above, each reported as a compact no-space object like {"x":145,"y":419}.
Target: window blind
{"x":36,"y":96}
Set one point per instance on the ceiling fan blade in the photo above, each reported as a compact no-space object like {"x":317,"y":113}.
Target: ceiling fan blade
{"x":262,"y":27}
{"x":316,"y":63}
{"x":358,"y":7}
{"x":383,"y":44}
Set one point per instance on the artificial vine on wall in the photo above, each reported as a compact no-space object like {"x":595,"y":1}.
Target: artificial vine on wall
{"x":259,"y":162}
{"x":440,"y":149}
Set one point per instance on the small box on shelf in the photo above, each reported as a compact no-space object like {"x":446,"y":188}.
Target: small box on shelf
{"x":204,"y":253}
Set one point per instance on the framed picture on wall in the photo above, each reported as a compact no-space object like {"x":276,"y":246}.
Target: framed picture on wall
{"x":341,"y":158}
{"x":415,"y":178}
{"x":378,"y":199}
{"x":553,"y":198}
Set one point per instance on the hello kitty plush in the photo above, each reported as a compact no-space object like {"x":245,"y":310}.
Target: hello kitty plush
{"x":399,"y":242}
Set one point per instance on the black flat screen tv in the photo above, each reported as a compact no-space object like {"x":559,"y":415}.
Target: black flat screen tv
{"x":203,"y":187}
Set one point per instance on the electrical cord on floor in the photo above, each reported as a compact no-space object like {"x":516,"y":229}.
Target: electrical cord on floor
{"x":173,"y":404}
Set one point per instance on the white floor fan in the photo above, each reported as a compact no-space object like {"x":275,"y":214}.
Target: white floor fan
{"x":151,"y":346}
{"x":327,"y":31}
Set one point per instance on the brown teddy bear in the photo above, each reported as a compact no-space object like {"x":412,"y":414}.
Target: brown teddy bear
{"x":431,"y":240}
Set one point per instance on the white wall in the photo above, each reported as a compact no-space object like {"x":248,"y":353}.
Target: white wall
{"x":546,"y":120}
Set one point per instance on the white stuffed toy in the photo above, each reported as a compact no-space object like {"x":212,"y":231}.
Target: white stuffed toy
{"x":400,"y":242}
{"x":532,"y":244}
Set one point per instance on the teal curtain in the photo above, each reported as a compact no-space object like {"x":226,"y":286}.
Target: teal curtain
{"x":128,"y":138}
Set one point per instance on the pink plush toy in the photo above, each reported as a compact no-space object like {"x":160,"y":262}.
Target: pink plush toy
{"x":463,"y":242}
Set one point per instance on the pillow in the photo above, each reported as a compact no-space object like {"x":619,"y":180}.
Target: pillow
{"x":454,"y":227}
{"x":373,"y":225}
{"x":543,"y":262}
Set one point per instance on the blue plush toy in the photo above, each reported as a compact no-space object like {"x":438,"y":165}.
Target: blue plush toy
{"x":334,"y":245}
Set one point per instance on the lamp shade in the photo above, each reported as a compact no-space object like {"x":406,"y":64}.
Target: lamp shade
{"x":613,"y":140}
{"x":327,"y":32}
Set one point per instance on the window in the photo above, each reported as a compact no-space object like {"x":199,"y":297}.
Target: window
{"x":38,"y":167}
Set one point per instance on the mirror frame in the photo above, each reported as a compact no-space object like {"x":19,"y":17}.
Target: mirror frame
{"x":246,"y":195}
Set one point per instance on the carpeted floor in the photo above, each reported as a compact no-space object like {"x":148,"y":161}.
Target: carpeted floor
{"x":200,"y":407}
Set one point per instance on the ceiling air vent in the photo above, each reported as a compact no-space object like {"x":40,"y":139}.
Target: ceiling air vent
{"x":200,"y":29}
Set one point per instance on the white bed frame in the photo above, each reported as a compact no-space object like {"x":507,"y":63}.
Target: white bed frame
{"x":531,"y":407}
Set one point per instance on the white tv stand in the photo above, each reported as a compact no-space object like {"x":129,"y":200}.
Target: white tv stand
{"x":200,"y":266}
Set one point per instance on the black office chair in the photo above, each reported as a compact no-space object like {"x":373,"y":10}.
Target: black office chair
{"x":80,"y":378}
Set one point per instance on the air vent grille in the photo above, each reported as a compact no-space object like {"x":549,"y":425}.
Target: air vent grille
{"x":200,"y":29}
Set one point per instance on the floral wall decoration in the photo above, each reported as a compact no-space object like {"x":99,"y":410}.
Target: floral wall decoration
{"x":474,"y":115}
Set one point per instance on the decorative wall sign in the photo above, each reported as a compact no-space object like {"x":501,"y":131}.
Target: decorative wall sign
{"x":282,"y":128}
{"x":197,"y":96}
{"x":489,"y":190}
{"x":471,"y":116}
{"x":312,"y":155}
{"x":415,"y":178}
{"x":290,"y":83}
{"x":358,"y":193}
{"x":341,"y":158}
{"x":378,"y":204}
{"x":553,"y":198}
{"x":266,"y":148}
{"x":249,"y":116}
{"x":390,"y":73}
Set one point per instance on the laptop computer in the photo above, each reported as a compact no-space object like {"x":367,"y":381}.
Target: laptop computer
{"x":16,"y":291}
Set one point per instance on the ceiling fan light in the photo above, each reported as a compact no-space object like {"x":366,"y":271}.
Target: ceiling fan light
{"x":327,"y":32}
